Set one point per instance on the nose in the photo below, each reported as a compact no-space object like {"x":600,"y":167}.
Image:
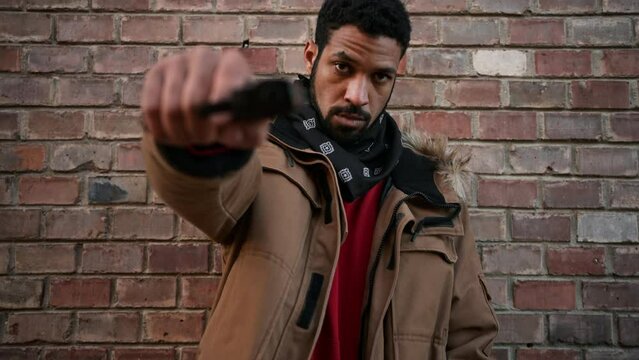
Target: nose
{"x":357,"y":91}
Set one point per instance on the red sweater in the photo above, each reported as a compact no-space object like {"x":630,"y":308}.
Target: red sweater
{"x":339,"y":336}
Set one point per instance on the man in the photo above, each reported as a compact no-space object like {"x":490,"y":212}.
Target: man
{"x":340,"y":241}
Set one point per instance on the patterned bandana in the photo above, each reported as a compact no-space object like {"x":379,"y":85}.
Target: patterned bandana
{"x":360,"y":165}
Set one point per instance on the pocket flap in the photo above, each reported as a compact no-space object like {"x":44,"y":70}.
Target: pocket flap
{"x":429,"y":243}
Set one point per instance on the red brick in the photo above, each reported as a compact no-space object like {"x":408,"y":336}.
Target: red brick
{"x":521,"y":328}
{"x":572,"y":126}
{"x":191,"y":353}
{"x":112,"y":258}
{"x":173,"y":326}
{"x":213,"y":29}
{"x":439,"y":62}
{"x":57,"y":59}
{"x":292,"y":60}
{"x":178,"y":258}
{"x":44,"y":258}
{"x":507,"y":193}
{"x":146,"y":292}
{"x":20,"y":293}
{"x":628,"y":335}
{"x":9,"y":125}
{"x":120,"y":5}
{"x":425,"y":30}
{"x":469,"y":31}
{"x":611,"y":295}
{"x":122,"y":59}
{"x":25,"y":27}
{"x":622,"y":6}
{"x":486,"y":158}
{"x":588,"y":94}
{"x":131,"y":89}
{"x":582,"y":329}
{"x":564,"y":63}
{"x":543,"y":354}
{"x":570,"y":194}
{"x":512,"y":259}
{"x":454,"y":125}
{"x":57,"y":4}
{"x":22,"y":157}
{"x":6,"y":190}
{"x":621,"y":62}
{"x":473,"y":93}
{"x":607,"y":161}
{"x":567,"y":6}
{"x":85,"y":92}
{"x":243,"y":5}
{"x":498,"y":290}
{"x":108,"y":327}
{"x":70,"y":157}
{"x":58,"y":125}
{"x":540,"y":31}
{"x":30,"y":327}
{"x":190,"y":232}
{"x":488,"y":225}
{"x":624,"y":127}
{"x":198,"y":292}
{"x":525,"y":159}
{"x":17,"y":90}
{"x":144,"y":354}
{"x":117,"y":189}
{"x":150,"y":29}
{"x":75,"y":224}
{"x":544,"y":295}
{"x":51,"y":190}
{"x":142,"y":223}
{"x":261,"y":60}
{"x":541,"y":227}
{"x":576,"y":261}
{"x":186,"y":5}
{"x":413,"y":93}
{"x":79,"y":292}
{"x":537,"y":94}
{"x":128,"y":157}
{"x":75,"y":354}
{"x":602,"y":31}
{"x":625,"y":194}
{"x":5,"y":259}
{"x":11,"y":4}
{"x":451,"y":6}
{"x":19,"y":224}
{"x":507,"y":126}
{"x":9,"y":58}
{"x":85,"y":28}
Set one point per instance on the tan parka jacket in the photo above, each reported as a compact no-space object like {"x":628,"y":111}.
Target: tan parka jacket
{"x":281,"y":222}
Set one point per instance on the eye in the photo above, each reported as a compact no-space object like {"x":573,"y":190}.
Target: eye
{"x":381,"y":77}
{"x":342,"y":68}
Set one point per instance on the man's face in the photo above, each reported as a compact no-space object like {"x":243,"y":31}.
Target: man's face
{"x":353,"y":79}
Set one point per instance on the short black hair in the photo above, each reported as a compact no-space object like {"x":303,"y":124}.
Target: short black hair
{"x":372,"y":17}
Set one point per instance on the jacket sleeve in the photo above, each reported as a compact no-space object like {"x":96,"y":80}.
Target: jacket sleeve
{"x":214,"y":204}
{"x":473,"y":324}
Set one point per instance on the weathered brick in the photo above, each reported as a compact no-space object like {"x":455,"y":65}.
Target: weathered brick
{"x":292,"y":60}
{"x":54,"y":190}
{"x":507,"y":126}
{"x":25,"y":157}
{"x":25,"y":27}
{"x":20,"y":293}
{"x":55,"y":125}
{"x":116,"y":124}
{"x":541,"y":226}
{"x":11,"y":4}
{"x":150,"y":29}
{"x":9,"y":58}
{"x":120,"y":5}
{"x":610,"y":295}
{"x":277,"y":29}
{"x":57,"y":4}
{"x":455,"y":125}
{"x":117,"y":189}
{"x":537,"y":94}
{"x":187,"y":5}
{"x":486,"y":158}
{"x":576,"y":261}
{"x":85,"y":92}
{"x":473,"y":93}
{"x":85,"y":28}
{"x":145,"y":292}
{"x":500,"y":6}
{"x":18,"y":90}
{"x":607,"y":227}
{"x":488,"y":225}
{"x":564,"y":63}
{"x":108,"y":327}
{"x":536,"y":31}
{"x":141,"y":223}
{"x":601,"y":31}
{"x":5,"y":259}
{"x":572,"y":126}
{"x":612,"y":354}
{"x":512,"y":259}
{"x":413,"y":92}
{"x":261,"y":60}
{"x":19,"y":224}
{"x":526,"y":159}
{"x":570,"y":194}
{"x":75,"y":157}
{"x":520,"y":328}
{"x":9,"y":125}
{"x":606,"y":161}
{"x":243,"y":5}
{"x":57,"y":59}
{"x":425,"y":30}
{"x":188,"y":231}
{"x":198,"y":292}
{"x":305,"y":5}
{"x":144,"y":354}
{"x":621,"y":62}
{"x":213,"y":29}
{"x":44,"y":258}
{"x":579,"y":329}
{"x":438,"y":62}
{"x":542,"y":354}
{"x":30,"y":327}
{"x":567,"y":6}
{"x":501,"y":353}
{"x":131,"y":90}
{"x":498,"y":290}
{"x":628,"y":334}
{"x":82,"y":223}
{"x":621,"y":6}
{"x":178,"y":258}
{"x":625,"y":260}
{"x":624,"y":127}
{"x":588,"y":94}
{"x":173,"y":326}
{"x":75,"y":353}
{"x":79,"y":292}
{"x":122,"y":59}
{"x":544,"y":295}
{"x":128,"y":157}
{"x":15,"y":353}
{"x":506,"y":193}
{"x":469,"y":31}
{"x":112,"y":258}
{"x":500,"y":62}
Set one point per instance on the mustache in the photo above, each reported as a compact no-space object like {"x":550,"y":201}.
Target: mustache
{"x":349,"y":109}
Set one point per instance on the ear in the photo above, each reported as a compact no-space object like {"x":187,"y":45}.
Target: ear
{"x":310,"y":55}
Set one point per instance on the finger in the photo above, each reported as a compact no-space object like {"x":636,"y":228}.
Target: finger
{"x":150,"y":102}
{"x":170,"y":109}
{"x":232,"y":73}
{"x":201,"y":65}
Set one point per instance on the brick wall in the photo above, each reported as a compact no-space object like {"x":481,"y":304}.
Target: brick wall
{"x":544,"y":93}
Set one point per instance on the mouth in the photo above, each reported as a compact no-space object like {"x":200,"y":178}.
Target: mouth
{"x":349,"y":120}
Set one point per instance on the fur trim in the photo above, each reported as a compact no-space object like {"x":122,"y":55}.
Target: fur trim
{"x":451,"y":161}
